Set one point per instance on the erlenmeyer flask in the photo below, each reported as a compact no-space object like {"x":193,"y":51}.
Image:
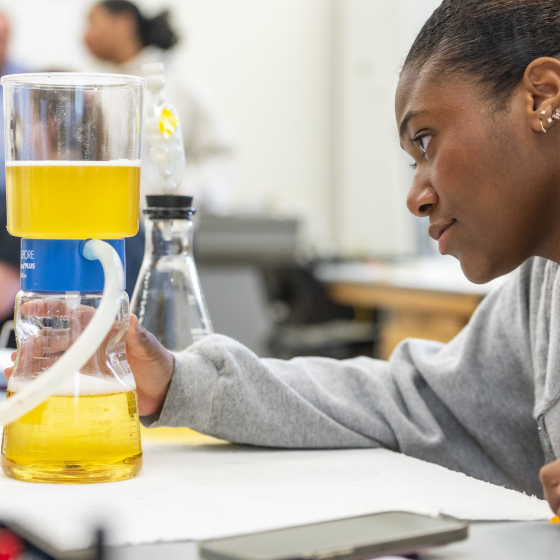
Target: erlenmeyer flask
{"x":89,"y":430}
{"x":168,"y":299}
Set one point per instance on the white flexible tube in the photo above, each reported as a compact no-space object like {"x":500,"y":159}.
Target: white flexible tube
{"x":84,"y":347}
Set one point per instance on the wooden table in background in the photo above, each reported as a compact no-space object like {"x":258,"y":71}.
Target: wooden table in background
{"x":426,"y":298}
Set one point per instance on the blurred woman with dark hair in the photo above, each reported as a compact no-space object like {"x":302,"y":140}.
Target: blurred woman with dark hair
{"x":122,"y":39}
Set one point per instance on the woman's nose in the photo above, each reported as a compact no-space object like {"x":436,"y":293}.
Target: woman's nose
{"x":421,"y":198}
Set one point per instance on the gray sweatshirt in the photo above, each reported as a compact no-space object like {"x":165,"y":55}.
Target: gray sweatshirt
{"x":486,"y":404}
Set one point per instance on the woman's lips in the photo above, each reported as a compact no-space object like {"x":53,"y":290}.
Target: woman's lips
{"x":440,"y":232}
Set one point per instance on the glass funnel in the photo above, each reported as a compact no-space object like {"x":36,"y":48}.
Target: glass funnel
{"x":168,"y":298}
{"x":72,"y":154}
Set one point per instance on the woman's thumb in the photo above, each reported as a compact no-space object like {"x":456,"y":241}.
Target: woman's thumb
{"x":141,"y":343}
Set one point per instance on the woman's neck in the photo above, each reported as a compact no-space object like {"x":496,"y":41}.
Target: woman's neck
{"x":549,"y":246}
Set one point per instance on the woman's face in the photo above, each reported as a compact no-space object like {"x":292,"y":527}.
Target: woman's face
{"x":102,"y":33}
{"x":489,"y":190}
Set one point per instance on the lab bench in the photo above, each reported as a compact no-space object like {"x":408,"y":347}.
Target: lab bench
{"x":427,"y":298}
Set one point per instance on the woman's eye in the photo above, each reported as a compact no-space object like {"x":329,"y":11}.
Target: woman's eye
{"x":422,"y":142}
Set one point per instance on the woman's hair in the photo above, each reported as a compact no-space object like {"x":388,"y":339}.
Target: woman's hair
{"x":491,"y":40}
{"x":154,"y":31}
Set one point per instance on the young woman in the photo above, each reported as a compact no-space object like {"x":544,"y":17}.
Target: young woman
{"x":478,"y":108}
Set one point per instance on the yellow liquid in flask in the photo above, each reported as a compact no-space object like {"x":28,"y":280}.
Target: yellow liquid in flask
{"x":69,"y":439}
{"x":73,"y":200}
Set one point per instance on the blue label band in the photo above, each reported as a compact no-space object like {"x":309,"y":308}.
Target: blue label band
{"x":57,"y":265}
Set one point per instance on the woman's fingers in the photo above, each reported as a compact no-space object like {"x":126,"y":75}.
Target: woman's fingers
{"x":33,"y":358}
{"x":53,"y":307}
{"x":550,"y":479}
{"x":48,"y":307}
{"x":152,"y":366}
{"x":41,"y":350}
{"x":50,"y":341}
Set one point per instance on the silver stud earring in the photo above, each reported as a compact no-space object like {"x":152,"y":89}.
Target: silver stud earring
{"x":543,"y":112}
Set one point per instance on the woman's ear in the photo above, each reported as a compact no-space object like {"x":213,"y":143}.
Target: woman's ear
{"x":542,"y":84}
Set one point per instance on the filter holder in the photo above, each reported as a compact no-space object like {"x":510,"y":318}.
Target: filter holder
{"x":57,"y":265}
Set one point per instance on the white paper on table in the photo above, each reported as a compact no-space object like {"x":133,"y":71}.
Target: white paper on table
{"x":209,"y":491}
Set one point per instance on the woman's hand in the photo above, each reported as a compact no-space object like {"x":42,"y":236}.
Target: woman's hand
{"x":550,"y":479}
{"x":152,"y":366}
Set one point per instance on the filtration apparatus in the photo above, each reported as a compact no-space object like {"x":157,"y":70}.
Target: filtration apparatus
{"x":72,"y":179}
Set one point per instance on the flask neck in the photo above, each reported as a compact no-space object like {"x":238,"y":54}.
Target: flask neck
{"x":168,"y":237}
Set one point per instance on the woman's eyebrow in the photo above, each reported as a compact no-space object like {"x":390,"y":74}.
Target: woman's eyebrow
{"x":407,"y":117}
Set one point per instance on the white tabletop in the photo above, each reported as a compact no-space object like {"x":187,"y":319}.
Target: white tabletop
{"x":197,"y":492}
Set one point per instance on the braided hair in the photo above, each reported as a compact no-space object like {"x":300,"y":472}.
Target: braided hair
{"x":491,"y":40}
{"x":154,"y":31}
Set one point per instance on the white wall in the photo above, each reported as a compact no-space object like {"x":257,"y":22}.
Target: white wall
{"x":47,"y":33}
{"x":308,"y":86}
{"x":371,"y":217}
{"x":372,"y":175}
{"x":268,"y":64}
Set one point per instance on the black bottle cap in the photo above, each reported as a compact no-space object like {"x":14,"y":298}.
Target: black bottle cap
{"x":169,"y":201}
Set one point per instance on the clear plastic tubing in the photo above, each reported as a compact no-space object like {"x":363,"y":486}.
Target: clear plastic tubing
{"x":84,"y":347}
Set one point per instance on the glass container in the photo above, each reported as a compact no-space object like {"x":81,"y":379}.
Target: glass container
{"x":88,"y":430}
{"x":72,"y":154}
{"x":168,"y":298}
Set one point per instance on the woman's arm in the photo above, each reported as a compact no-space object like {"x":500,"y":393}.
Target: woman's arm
{"x":466,"y":405}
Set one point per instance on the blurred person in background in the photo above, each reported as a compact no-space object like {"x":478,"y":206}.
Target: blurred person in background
{"x":9,"y":246}
{"x":122,"y":39}
{"x":9,"y":264}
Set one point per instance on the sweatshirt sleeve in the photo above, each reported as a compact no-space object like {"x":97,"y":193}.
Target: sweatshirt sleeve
{"x":466,"y":405}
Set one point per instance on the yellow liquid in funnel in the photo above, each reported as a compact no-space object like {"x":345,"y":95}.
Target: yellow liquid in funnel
{"x":73,"y":200}
{"x":67,"y":439}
